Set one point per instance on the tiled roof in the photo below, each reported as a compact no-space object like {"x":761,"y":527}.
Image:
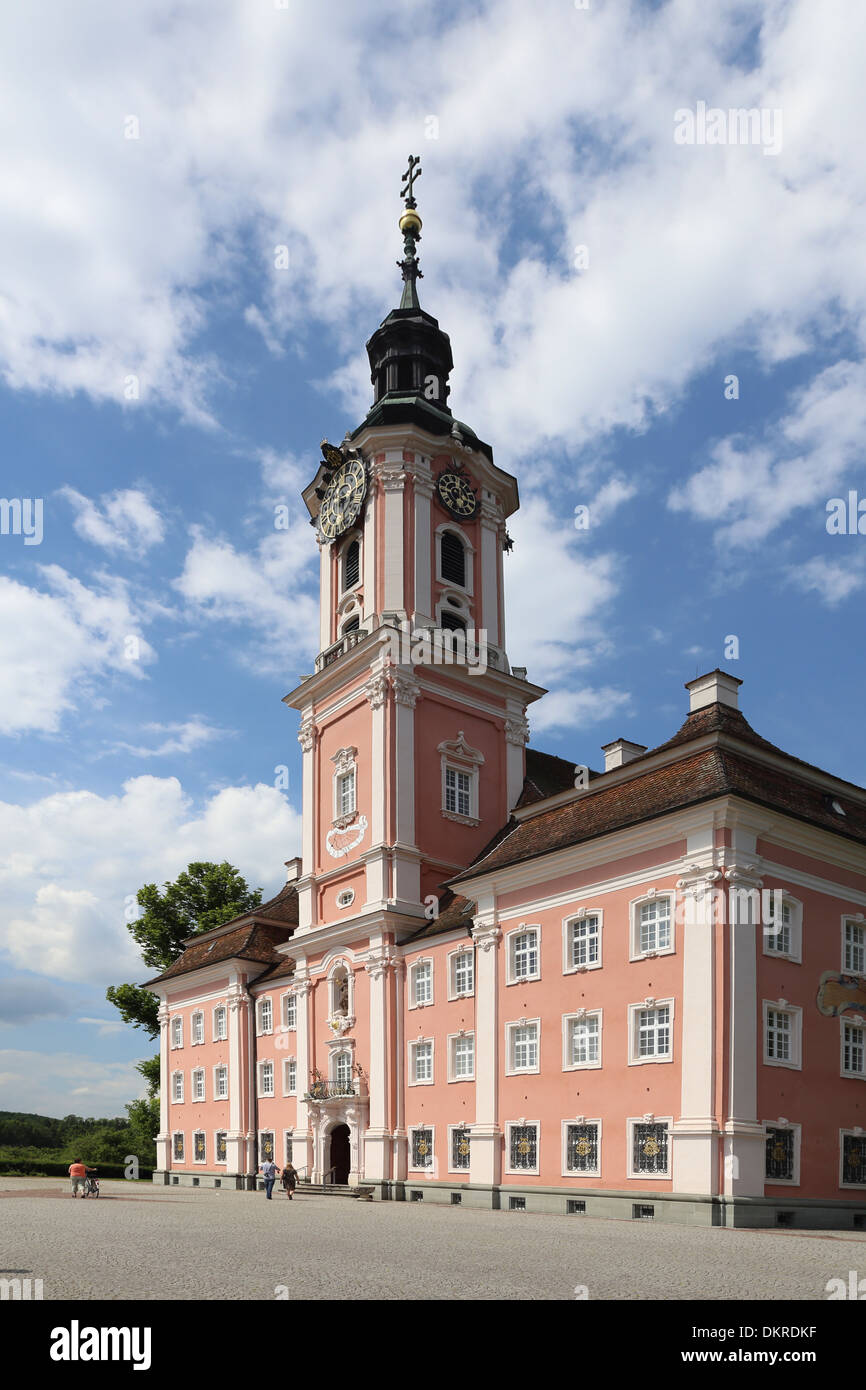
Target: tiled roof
{"x":254,"y":937}
{"x":546,"y":774}
{"x":455,"y":912}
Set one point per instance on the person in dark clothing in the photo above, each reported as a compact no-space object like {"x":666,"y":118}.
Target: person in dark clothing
{"x":289,"y":1180}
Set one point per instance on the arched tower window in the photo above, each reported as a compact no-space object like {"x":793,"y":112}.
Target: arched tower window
{"x":351,"y":564}
{"x":452,"y":621}
{"x":453,"y":559}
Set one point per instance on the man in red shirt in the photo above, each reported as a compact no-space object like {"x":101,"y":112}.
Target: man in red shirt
{"x":78,"y":1172}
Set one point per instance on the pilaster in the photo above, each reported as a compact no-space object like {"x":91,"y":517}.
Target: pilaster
{"x":485,"y":1150}
{"x":696,"y":1131}
{"x":163,"y":1139}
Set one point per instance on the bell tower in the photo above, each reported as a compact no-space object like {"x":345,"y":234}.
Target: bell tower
{"x":413,"y":725}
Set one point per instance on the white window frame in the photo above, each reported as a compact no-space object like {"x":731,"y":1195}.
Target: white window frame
{"x":223,"y":1162}
{"x":850,"y":1134}
{"x":261,"y":1134}
{"x":510,"y":1068}
{"x":452,"y":1040}
{"x":652,"y":895}
{"x":176,"y":1027}
{"x":456,"y":755}
{"x":453,"y":958}
{"x":511,"y":977}
{"x":629,"y":1136}
{"x":413,"y":1045}
{"x":178,"y":1134}
{"x":415,"y":1003}
{"x":285,"y":1000}
{"x":337,"y":967}
{"x":858,"y":1022}
{"x":288,"y":1136}
{"x":220,"y":1066}
{"x":570,"y":1173}
{"x":411,"y":1132}
{"x":795,"y":1063}
{"x":861,"y":926}
{"x":795,"y":927}
{"x":797,"y":1131}
{"x":344,"y":589}
{"x":452,"y":1130}
{"x":580,"y":1016}
{"x":260,"y":1074}
{"x":261,"y":1004}
{"x":197,"y":1072}
{"x":203,"y":1134}
{"x":345,"y":762}
{"x":217,"y":1035}
{"x":196,"y":1017}
{"x":634,"y":1013}
{"x":574,"y":919}
{"x":523,"y":1124}
{"x":289,"y":1062}
{"x":466,"y":590}
{"x":175,"y":1099}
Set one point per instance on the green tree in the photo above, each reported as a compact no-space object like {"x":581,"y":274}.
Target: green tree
{"x":202,"y":897}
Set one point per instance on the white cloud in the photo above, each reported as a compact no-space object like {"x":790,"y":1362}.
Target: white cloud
{"x":576,"y":709}
{"x":24,"y":999}
{"x":182,"y":738}
{"x":73,"y":861}
{"x":105,"y":1027}
{"x":44,"y":1083}
{"x":831,"y":580}
{"x":124,"y":520}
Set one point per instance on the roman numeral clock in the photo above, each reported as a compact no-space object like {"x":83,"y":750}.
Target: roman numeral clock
{"x":344,"y":494}
{"x":456,"y":494}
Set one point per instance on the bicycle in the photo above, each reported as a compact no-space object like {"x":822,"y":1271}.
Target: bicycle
{"x":91,"y":1185}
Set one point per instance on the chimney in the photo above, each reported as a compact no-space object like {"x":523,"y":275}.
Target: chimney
{"x":619,"y":752}
{"x":717,"y":687}
{"x":293,"y":870}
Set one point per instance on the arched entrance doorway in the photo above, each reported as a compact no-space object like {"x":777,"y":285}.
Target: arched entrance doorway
{"x":340,"y":1158}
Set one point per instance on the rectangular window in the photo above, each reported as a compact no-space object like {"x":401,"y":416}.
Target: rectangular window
{"x":779,"y":1035}
{"x":177,"y":1032}
{"x":422,"y":1148}
{"x":346,"y":793}
{"x":290,"y":1011}
{"x":199,"y":1149}
{"x":266,"y":1016}
{"x":585,"y":942}
{"x":221,"y":1083}
{"x":422,"y":982}
{"x":855,"y":948}
{"x":584,"y":1041}
{"x":220,"y":1146}
{"x":853,"y":1050}
{"x":422,"y":1061}
{"x":219,"y":1023}
{"x":463,"y":1057}
{"x":581,"y":1148}
{"x":266,"y":1078}
{"x":779,"y":1155}
{"x":198,"y":1028}
{"x":177,"y":1148}
{"x":198,"y":1085}
{"x":781,"y":917}
{"x":524,"y":955}
{"x":463,"y":968}
{"x":650,"y":1148}
{"x":524,"y":1047}
{"x":177,"y":1088}
{"x":854,"y":1159}
{"x":289,"y":1145}
{"x":266,"y":1146}
{"x":290,"y":1076}
{"x":655,"y":926}
{"x":523,"y":1148}
{"x":458,"y":792}
{"x":654,"y":1032}
{"x":460,"y":1149}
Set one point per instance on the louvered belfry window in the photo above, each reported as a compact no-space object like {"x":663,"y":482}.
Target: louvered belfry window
{"x":351,"y":565}
{"x":453,"y":559}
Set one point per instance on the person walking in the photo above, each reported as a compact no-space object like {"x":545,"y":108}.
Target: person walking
{"x":289,"y":1180}
{"x":269,"y":1172}
{"x":78,"y":1172}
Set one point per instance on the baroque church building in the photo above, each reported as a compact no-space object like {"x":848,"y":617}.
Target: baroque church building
{"x":494,"y":978}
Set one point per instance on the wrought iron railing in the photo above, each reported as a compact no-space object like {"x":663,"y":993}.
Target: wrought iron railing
{"x":331,"y":1090}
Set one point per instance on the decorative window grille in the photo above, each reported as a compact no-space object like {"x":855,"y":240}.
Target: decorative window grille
{"x":198,"y":1028}
{"x":343,"y":1069}
{"x":460,"y":1148}
{"x":219,"y":1023}
{"x":780,"y":1154}
{"x":291,"y":1076}
{"x":464,"y":1056}
{"x":778,"y":1035}
{"x":453,"y":559}
{"x":266,"y":1016}
{"x":177,"y":1032}
{"x":853,"y":1049}
{"x":585,"y":941}
{"x":267,"y":1078}
{"x":781,"y":917}
{"x":177,"y":1088}
{"x":650,"y":1148}
{"x":353,"y":625}
{"x":422,"y":1061}
{"x":523,"y":1147}
{"x":198,"y":1146}
{"x":524,"y":954}
{"x":351,"y":565}
{"x":524,"y":1047}
{"x":854,"y":1158}
{"x":221,"y":1147}
{"x":581,"y":1148}
{"x":422,"y":1148}
{"x":290,"y":1011}
{"x":346,"y":793}
{"x":463,"y":965}
{"x":855,"y":948}
{"x":585,"y":1040}
{"x":198,"y":1085}
{"x":177,"y":1148}
{"x":655,"y":925}
{"x":266,"y":1146}
{"x":451,"y":622}
{"x":422,"y":982}
{"x":654,"y":1032}
{"x":458,"y":792}
{"x":222,"y":1083}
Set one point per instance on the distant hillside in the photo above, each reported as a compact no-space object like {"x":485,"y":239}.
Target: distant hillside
{"x":20,"y":1130}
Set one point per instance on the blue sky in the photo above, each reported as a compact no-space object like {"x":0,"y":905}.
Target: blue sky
{"x":541,"y":129}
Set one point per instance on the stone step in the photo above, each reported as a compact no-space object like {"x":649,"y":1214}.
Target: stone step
{"x":334,"y":1189}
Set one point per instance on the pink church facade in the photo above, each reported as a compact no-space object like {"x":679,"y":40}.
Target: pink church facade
{"x":493,"y":979}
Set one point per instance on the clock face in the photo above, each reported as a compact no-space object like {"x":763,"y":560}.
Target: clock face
{"x":342,"y":502}
{"x":456,"y":494}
